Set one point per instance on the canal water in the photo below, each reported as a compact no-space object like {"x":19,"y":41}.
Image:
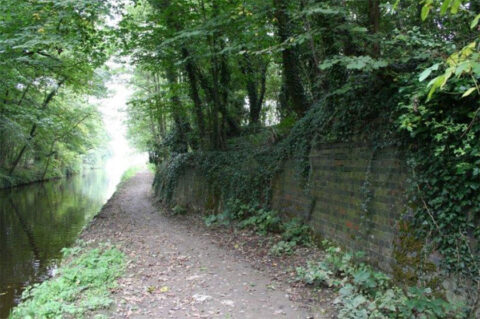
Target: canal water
{"x":38,"y":220}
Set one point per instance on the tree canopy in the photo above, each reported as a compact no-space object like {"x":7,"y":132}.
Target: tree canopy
{"x":50,"y":53}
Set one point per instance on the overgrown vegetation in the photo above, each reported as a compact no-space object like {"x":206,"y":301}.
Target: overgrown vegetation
{"x":264,"y":222}
{"x":237,"y":88}
{"x":366,"y":293}
{"x":401,"y":73}
{"x":81,"y":286}
{"x":51,"y":53}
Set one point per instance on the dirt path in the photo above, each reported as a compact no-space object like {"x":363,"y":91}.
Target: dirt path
{"x":177,"y":271}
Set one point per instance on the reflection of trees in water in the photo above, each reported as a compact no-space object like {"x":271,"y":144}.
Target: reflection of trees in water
{"x":27,"y":231}
{"x":37,"y":221}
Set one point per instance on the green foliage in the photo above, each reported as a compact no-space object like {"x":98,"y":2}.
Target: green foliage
{"x":316,"y":274}
{"x":366,"y":293}
{"x":293,"y":232}
{"x":283,"y":248}
{"x":51,"y":52}
{"x":330,"y":72}
{"x":263,"y":222}
{"x":179,"y":210}
{"x":82,"y":285}
{"x":247,"y":216}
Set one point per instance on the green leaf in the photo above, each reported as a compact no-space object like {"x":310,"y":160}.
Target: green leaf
{"x":463,"y":67}
{"x":426,"y":9}
{"x":444,"y":7}
{"x":435,"y":84}
{"x":468,"y":92}
{"x":395,"y":5}
{"x":456,"y":4}
{"x":475,"y":21}
{"x":426,"y":73}
{"x":358,"y":300}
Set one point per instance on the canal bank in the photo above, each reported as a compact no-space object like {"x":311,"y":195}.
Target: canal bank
{"x":38,"y":220}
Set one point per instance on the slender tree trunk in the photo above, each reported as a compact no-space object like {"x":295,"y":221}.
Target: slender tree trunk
{"x":294,"y":87}
{"x":22,"y":151}
{"x":176,"y":106}
{"x":45,"y":103}
{"x":49,"y":156}
{"x":24,"y":94}
{"x":194,"y":93}
{"x":255,"y":88}
{"x":374,"y":23}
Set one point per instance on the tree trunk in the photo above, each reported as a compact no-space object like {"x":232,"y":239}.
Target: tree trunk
{"x":45,"y":103}
{"x":294,"y":88}
{"x":49,"y":156}
{"x":374,"y":23}
{"x":194,"y":94}
{"x":180,"y":123}
{"x":255,"y":87}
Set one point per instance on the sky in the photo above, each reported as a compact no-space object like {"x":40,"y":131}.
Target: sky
{"x":113,"y":109}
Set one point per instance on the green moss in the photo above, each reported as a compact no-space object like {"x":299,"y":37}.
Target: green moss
{"x":411,"y":264}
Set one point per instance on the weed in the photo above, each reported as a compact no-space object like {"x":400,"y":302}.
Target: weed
{"x":366,"y":293}
{"x":297,"y":232}
{"x":83,"y":284}
{"x":129,"y":173}
{"x":283,"y":248}
{"x":179,"y":210}
{"x":264,"y":222}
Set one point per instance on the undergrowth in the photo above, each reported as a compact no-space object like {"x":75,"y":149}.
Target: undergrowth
{"x":366,"y":293}
{"x":82,"y":285}
{"x":438,"y":137}
{"x":264,"y":222}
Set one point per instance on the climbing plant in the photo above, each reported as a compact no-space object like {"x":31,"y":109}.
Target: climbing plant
{"x":401,"y":73}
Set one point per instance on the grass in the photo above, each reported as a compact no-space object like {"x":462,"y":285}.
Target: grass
{"x":130,"y":172}
{"x":81,"y":286}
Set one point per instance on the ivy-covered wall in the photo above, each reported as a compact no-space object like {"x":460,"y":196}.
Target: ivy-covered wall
{"x":355,"y":196}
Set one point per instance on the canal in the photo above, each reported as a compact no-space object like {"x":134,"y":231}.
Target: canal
{"x":38,"y":220}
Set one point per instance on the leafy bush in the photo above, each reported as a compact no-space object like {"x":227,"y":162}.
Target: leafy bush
{"x":263,"y":221}
{"x":297,"y":232}
{"x":282,"y":248}
{"x":316,"y":274}
{"x":366,"y":293}
{"x":82,"y":285}
{"x":179,"y":210}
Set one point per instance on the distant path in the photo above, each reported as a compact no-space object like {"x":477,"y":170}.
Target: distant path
{"x":176,"y":271}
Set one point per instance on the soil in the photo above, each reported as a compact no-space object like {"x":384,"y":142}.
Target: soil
{"x":179,"y":268}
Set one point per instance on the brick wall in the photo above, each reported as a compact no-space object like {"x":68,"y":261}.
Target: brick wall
{"x":355,"y":198}
{"x":192,"y":191}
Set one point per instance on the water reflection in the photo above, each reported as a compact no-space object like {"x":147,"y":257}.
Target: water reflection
{"x":37,"y":221}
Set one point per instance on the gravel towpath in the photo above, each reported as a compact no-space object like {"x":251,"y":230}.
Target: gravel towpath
{"x":178,"y":271}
